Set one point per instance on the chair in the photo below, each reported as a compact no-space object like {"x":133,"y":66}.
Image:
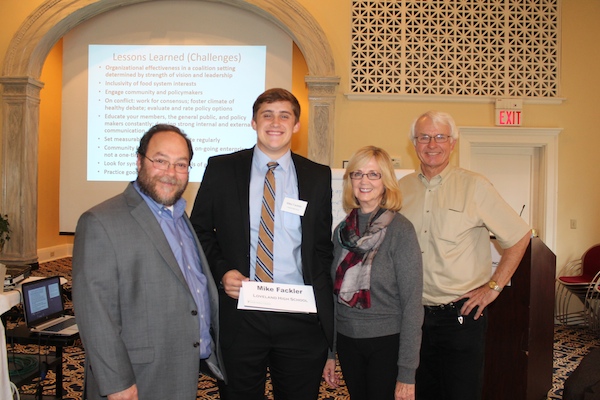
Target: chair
{"x":592,"y":305}
{"x":580,"y":280}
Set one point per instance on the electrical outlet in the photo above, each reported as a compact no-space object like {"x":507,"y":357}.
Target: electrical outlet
{"x":573,"y":224}
{"x":51,"y":254}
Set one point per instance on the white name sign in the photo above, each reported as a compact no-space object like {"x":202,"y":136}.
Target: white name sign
{"x":276,"y":297}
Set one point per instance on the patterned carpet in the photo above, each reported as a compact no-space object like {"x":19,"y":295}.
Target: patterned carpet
{"x":571,"y":344}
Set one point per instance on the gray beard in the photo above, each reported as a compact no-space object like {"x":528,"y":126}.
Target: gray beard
{"x":147,"y":186}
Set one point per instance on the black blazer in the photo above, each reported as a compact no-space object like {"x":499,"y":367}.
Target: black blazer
{"x":221,"y":220}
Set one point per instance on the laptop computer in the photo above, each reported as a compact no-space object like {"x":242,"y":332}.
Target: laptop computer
{"x":44,"y":308}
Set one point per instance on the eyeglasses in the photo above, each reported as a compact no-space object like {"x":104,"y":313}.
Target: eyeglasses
{"x":425,"y":139}
{"x":164,"y":165}
{"x":372,"y":176}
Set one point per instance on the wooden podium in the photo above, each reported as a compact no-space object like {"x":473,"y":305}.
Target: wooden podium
{"x":520,"y":334}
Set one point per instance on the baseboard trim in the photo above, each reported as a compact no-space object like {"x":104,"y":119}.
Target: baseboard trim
{"x":55,"y":252}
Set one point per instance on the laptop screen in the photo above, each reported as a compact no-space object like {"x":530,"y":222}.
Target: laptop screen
{"x":42,"y":300}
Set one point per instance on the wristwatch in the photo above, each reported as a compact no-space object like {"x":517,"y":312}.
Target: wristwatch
{"x":494,"y":286}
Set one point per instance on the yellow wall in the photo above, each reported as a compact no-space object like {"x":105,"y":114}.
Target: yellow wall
{"x":385,"y":124}
{"x":49,"y":151}
{"x":300,"y":70}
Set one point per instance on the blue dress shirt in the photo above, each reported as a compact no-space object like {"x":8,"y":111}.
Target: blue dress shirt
{"x":287,"y":262}
{"x":182,"y":243}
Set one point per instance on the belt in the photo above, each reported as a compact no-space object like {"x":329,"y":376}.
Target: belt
{"x":449,"y":306}
{"x":444,"y":309}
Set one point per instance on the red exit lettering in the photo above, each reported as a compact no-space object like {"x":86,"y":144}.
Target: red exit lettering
{"x":509,"y":117}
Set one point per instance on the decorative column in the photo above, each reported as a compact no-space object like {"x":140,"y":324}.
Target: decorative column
{"x":321,"y":113}
{"x":20,"y":119}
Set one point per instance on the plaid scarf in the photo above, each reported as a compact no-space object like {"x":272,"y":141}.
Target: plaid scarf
{"x":353,"y":274}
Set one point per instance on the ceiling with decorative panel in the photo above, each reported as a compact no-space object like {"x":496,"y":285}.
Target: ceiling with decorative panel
{"x":488,"y":48}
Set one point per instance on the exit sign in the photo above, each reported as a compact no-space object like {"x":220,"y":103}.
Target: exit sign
{"x":508,"y":117}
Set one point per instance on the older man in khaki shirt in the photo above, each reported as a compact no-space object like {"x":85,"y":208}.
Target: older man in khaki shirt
{"x":453,"y":211}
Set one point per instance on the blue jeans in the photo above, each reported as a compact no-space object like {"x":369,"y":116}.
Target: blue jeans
{"x":452,"y":355}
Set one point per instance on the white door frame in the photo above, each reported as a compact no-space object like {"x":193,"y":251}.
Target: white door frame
{"x":544,"y":139}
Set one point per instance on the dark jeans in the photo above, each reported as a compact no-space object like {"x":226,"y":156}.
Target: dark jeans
{"x":369,"y":366}
{"x":452,"y":355}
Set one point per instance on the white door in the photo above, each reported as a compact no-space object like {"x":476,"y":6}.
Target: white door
{"x":512,"y":172}
{"x":522,"y":165}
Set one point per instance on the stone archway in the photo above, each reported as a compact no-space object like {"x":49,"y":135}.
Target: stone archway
{"x":21,"y":89}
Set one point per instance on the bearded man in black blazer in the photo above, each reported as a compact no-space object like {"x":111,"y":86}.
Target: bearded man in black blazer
{"x":226,"y":217}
